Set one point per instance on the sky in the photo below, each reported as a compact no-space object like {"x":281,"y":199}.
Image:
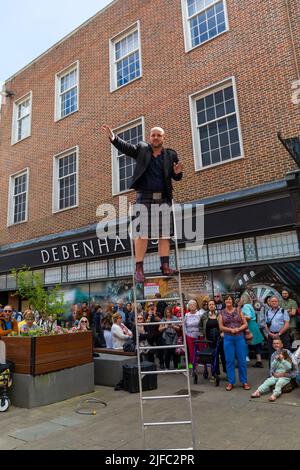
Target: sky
{"x":29,"y":27}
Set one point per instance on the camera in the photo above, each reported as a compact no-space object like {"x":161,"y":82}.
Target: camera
{"x":268,"y":323}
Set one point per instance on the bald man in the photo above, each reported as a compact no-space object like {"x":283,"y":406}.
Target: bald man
{"x":156,"y":166}
{"x":8,"y":325}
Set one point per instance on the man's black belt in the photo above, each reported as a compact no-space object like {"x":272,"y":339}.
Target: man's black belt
{"x":151,"y":195}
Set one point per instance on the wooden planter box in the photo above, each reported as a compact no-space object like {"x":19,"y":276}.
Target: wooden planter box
{"x":44,"y":354}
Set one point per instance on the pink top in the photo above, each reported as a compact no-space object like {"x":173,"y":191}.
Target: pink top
{"x":232,"y":320}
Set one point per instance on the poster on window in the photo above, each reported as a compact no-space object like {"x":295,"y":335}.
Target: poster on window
{"x":150,"y":289}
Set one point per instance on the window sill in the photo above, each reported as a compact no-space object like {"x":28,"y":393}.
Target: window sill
{"x":219,"y":164}
{"x":190,"y":49}
{"x":14,"y":142}
{"x":58,"y":211}
{"x":112,"y":90}
{"x":58,"y":119}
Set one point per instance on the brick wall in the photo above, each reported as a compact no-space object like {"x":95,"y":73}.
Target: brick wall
{"x":256,"y":50}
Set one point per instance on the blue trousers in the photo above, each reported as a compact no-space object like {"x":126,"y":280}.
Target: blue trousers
{"x":235,"y":347}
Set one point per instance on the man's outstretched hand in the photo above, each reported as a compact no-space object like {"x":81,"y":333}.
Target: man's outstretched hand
{"x":178,"y":168}
{"x":108,"y":131}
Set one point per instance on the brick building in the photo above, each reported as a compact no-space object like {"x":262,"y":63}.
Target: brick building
{"x":217,"y":75}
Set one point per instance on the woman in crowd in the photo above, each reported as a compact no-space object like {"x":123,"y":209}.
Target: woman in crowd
{"x":210,"y":330}
{"x":191,"y":328}
{"x":204,"y":308}
{"x":257,"y":341}
{"x":120,"y":333}
{"x":143,"y":332}
{"x":169,"y":333}
{"x":106,"y":324}
{"x":233,"y":323}
{"x":154,"y":335}
{"x":83,"y":324}
{"x":29,"y":324}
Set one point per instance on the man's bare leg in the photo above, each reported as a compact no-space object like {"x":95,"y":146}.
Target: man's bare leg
{"x":164,"y":247}
{"x":140,"y":245}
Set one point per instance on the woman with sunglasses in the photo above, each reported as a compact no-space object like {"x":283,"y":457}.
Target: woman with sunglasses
{"x":8,"y":325}
{"x":83,"y":324}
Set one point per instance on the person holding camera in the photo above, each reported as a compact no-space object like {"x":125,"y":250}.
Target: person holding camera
{"x":277,"y":322}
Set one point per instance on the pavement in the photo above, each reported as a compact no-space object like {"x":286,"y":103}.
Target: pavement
{"x":222,"y":420}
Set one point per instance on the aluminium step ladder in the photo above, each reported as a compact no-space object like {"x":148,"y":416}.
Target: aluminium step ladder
{"x":146,"y":425}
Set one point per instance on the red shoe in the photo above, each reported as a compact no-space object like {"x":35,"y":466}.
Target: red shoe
{"x":139,"y":273}
{"x":229,"y":387}
{"x":167,"y":271}
{"x":246,"y":387}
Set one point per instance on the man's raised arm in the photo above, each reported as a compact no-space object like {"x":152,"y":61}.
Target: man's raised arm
{"x":121,"y":145}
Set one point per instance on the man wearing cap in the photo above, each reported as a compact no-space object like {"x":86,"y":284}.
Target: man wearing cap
{"x":156,"y":166}
{"x":291,"y":307}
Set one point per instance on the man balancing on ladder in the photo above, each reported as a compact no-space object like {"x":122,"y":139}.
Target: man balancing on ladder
{"x":156,"y":166}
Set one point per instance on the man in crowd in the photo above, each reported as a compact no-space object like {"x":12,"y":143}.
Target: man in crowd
{"x":120,"y":309}
{"x":8,"y":325}
{"x":219,"y":302}
{"x":291,"y":307}
{"x":277,"y":325}
{"x":129,"y":316}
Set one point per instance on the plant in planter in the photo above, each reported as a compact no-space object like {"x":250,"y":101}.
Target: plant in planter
{"x":39,"y":351}
{"x":49,"y":304}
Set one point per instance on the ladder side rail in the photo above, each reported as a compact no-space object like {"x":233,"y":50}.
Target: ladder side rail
{"x":182,"y":313}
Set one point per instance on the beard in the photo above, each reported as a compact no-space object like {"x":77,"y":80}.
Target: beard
{"x":157,"y":145}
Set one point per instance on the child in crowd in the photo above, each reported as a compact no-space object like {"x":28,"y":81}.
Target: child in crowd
{"x":280,"y":365}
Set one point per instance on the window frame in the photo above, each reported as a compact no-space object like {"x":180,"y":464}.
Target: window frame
{"x":58,"y":76}
{"x":186,"y":24}
{"x":11,"y":198}
{"x":15,"y":118}
{"x":115,"y":158}
{"x":195,"y":134}
{"x":55,"y":185}
{"x":112,"y":61}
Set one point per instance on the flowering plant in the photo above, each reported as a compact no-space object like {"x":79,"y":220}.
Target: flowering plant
{"x":58,"y":330}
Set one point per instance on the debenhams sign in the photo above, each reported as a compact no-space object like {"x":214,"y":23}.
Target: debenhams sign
{"x":84,"y":249}
{"x":73,"y":250}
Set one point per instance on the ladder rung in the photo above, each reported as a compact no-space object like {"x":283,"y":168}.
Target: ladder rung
{"x":168,"y":299}
{"x":165,"y":397}
{"x":168,"y":423}
{"x":172,"y":346}
{"x":160,"y":372}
